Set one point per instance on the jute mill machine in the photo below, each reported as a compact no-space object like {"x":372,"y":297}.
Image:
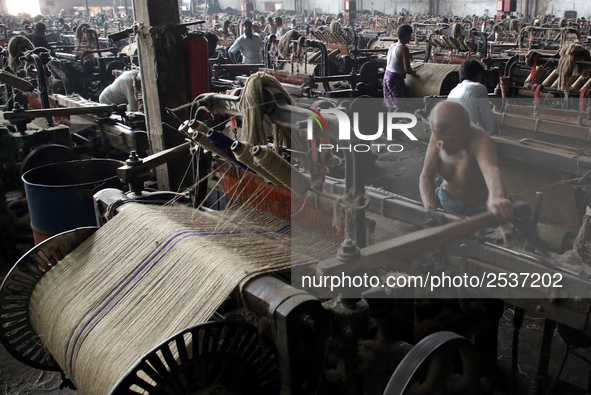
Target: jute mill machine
{"x":169,"y":300}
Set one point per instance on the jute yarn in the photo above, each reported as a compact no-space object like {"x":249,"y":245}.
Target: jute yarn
{"x":279,"y":168}
{"x":251,"y":101}
{"x":144,"y":276}
{"x":567,"y":65}
{"x":335,"y":27}
{"x":285,"y":42}
{"x":14,"y":50}
{"x":242,"y":151}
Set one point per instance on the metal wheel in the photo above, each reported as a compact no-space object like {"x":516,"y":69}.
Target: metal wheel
{"x":441,"y":363}
{"x":16,"y":333}
{"x":210,"y":358}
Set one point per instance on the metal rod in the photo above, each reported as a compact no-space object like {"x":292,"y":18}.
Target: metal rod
{"x":530,"y":242}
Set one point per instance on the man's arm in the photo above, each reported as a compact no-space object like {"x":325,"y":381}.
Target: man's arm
{"x":235,"y":48}
{"x":427,"y":179}
{"x":486,"y":156}
{"x":132,"y":104}
{"x":406,"y":60}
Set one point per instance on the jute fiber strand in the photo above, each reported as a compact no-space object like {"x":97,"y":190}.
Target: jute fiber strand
{"x":253,"y":118}
{"x":144,"y":276}
{"x":567,"y":68}
{"x":251,"y":101}
{"x":285,"y":41}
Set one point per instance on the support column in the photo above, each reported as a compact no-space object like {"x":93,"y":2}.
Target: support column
{"x":161,"y":57}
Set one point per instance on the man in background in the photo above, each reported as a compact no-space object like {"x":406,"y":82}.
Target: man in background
{"x":126,"y":89}
{"x":473,"y":95}
{"x":249,"y":45}
{"x":38,"y":36}
{"x":280,"y":29}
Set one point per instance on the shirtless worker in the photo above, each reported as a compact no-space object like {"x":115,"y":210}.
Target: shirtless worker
{"x":466,"y":158}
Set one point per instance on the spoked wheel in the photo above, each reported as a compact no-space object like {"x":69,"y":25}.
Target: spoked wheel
{"x":212,"y":358}
{"x":16,"y":332}
{"x":442,"y":363}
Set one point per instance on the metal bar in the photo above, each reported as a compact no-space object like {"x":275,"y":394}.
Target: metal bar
{"x":411,"y":244}
{"x":544,"y":364}
{"x":543,"y":126}
{"x":150,"y":162}
{"x":530,"y":243}
{"x":568,"y":163}
{"x":393,"y":206}
{"x":15,"y":116}
{"x":238,"y":66}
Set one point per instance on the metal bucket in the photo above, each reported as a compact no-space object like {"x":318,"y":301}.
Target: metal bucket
{"x":60,"y":195}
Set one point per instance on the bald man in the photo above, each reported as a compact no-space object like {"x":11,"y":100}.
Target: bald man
{"x":466,"y":158}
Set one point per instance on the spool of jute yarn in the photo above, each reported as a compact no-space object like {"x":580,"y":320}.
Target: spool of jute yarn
{"x":146,"y":275}
{"x":242,"y":152}
{"x":279,"y":168}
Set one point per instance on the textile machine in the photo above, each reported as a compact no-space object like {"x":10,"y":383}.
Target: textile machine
{"x":273,"y":333}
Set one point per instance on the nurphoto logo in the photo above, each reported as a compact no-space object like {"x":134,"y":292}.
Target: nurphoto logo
{"x":344,"y":123}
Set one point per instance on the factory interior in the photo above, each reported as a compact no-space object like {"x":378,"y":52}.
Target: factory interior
{"x":410,"y":184}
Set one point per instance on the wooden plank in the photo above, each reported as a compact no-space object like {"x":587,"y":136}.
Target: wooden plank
{"x":543,"y":126}
{"x":409,"y":245}
{"x":161,"y":57}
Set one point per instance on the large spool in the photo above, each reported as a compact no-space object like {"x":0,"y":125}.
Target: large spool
{"x":60,"y":195}
{"x":280,"y":169}
{"x":242,"y":150}
{"x":433,"y":79}
{"x":145,"y":276}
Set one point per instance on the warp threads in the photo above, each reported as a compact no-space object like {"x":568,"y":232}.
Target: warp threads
{"x":144,"y":276}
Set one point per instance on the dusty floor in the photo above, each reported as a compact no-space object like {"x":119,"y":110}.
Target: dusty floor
{"x":398,"y":173}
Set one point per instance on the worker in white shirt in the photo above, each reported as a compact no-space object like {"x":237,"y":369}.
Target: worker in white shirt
{"x":249,"y":45}
{"x":280,"y":29}
{"x":126,"y":89}
{"x":473,"y":95}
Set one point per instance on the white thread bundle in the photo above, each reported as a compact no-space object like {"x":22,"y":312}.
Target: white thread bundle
{"x":144,"y":276}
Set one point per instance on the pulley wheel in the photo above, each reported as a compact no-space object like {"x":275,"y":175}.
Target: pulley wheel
{"x":16,"y":332}
{"x":210,"y":358}
{"x":442,"y":363}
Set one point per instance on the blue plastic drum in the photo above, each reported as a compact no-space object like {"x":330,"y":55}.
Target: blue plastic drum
{"x":60,"y":195}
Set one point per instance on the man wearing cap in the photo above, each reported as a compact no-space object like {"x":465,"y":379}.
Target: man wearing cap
{"x":249,"y":45}
{"x":256,"y":28}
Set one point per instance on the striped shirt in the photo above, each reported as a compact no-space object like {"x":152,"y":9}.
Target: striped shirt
{"x":474,"y":96}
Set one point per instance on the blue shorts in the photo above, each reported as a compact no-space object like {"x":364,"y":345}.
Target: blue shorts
{"x":447,"y":202}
